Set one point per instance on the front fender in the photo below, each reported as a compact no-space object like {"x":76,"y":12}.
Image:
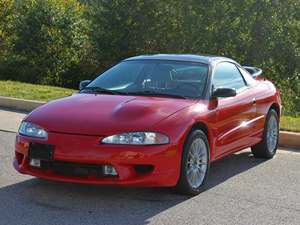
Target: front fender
{"x":179,"y":125}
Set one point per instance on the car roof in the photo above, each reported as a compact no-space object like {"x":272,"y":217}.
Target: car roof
{"x":207,"y":59}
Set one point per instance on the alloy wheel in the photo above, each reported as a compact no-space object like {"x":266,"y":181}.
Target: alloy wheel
{"x":272,"y":134}
{"x":197,"y":163}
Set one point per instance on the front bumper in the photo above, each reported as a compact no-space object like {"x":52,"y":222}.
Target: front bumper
{"x":87,"y":150}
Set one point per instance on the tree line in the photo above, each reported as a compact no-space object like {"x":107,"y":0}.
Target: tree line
{"x":59,"y":42}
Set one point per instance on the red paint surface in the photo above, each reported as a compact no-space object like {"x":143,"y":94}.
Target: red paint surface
{"x":76,"y":125}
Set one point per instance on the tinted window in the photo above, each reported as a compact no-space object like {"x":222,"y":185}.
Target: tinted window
{"x":119,"y":76}
{"x":228,"y":76}
{"x":186,"y":79}
{"x":248,"y":78}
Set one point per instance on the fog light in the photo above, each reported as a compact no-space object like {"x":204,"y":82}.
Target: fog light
{"x":109,"y":170}
{"x":35,"y":162}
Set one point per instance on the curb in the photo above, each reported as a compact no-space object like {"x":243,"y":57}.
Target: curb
{"x":289,"y":139}
{"x":19,"y":104}
{"x":286,"y":139}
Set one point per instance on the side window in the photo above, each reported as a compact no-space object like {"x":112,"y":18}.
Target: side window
{"x":227,"y":75}
{"x":248,"y":78}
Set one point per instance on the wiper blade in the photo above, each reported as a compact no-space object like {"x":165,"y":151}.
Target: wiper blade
{"x":100,"y":90}
{"x":153,"y":93}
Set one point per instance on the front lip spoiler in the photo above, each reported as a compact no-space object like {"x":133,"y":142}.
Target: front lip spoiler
{"x":155,"y":179}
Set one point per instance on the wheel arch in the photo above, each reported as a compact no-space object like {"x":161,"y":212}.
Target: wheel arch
{"x":200,"y":125}
{"x":275,"y":106}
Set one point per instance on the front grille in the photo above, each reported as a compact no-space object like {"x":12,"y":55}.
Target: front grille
{"x":73,"y":169}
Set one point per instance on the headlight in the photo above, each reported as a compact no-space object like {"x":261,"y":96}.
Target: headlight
{"x":137,"y":138}
{"x":32,"y":130}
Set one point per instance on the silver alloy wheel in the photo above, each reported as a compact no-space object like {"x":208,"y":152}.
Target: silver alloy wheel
{"x":197,"y":161}
{"x":272,"y":133}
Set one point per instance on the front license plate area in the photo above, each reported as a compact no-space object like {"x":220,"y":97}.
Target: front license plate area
{"x":41,"y":151}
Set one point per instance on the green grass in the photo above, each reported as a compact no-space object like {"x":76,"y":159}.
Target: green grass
{"x":32,"y":91}
{"x":46,"y":93}
{"x":289,"y":123}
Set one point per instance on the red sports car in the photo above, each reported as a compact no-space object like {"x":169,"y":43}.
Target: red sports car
{"x":155,"y":120}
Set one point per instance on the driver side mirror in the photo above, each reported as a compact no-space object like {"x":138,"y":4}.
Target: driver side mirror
{"x":224,"y":92}
{"x":83,"y":84}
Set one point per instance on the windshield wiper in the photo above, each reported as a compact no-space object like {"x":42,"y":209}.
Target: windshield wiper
{"x":153,"y":93}
{"x":100,"y":90}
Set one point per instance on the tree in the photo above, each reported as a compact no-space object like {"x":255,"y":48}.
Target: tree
{"x":51,"y":38}
{"x":61,"y":42}
{"x":6,"y":32}
{"x":123,"y":28}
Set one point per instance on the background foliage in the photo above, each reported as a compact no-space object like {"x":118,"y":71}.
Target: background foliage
{"x":60,"y":42}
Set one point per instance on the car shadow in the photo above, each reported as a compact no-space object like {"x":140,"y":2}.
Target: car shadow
{"x":36,"y":201}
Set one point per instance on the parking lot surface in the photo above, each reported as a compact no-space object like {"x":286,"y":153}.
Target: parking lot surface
{"x":241,"y":190}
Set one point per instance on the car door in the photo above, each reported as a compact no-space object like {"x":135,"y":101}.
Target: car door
{"x":233,"y":126}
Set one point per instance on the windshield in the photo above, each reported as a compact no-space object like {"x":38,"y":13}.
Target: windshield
{"x":153,"y":77}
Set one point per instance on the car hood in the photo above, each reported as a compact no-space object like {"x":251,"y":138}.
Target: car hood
{"x":103,"y":114}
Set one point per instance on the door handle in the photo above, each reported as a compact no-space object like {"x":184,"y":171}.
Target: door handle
{"x":253,"y":101}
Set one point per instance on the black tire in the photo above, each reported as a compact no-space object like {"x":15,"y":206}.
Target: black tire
{"x":183,"y":186}
{"x":261,"y":150}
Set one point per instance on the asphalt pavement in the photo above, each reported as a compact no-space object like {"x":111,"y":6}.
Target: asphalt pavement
{"x":10,"y":120}
{"x":241,"y":190}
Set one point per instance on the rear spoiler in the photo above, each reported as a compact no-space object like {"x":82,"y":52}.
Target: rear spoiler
{"x":254,"y":71}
